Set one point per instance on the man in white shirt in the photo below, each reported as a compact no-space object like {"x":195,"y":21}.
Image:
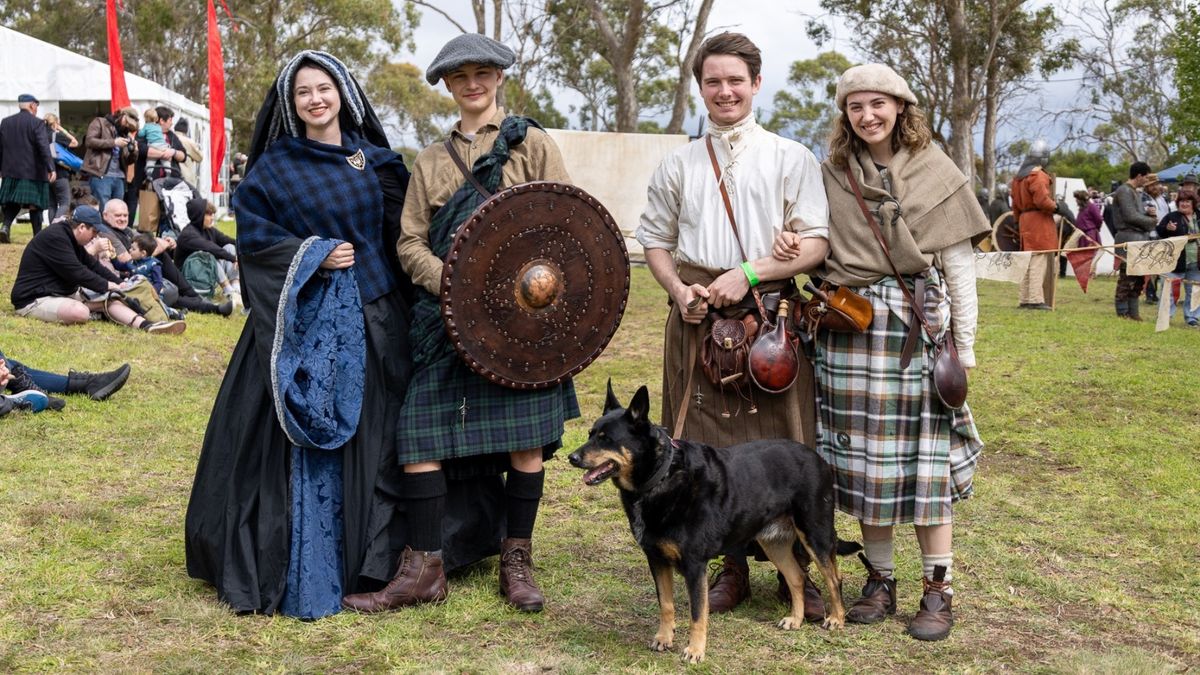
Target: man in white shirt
{"x":774,"y":184}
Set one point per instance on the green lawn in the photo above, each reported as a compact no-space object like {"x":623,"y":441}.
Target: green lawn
{"x":1080,"y":551}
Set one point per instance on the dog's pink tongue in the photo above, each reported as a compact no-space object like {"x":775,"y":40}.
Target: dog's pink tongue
{"x":590,"y":476}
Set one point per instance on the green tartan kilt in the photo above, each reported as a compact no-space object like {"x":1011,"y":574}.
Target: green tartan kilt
{"x":32,"y":193}
{"x":898,"y":454}
{"x":451,"y":412}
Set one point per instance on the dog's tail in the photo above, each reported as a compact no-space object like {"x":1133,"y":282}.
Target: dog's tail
{"x":847,"y":547}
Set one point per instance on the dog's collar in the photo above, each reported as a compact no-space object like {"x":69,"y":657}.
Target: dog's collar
{"x":664,"y":464}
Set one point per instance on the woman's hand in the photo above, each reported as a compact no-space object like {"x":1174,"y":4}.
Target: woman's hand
{"x":4,"y":374}
{"x":340,"y":258}
{"x":786,"y":247}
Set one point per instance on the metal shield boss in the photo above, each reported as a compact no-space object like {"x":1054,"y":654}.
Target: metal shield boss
{"x":535,"y":284}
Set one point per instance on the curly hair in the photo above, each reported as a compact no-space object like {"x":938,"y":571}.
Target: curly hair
{"x":911,"y":131}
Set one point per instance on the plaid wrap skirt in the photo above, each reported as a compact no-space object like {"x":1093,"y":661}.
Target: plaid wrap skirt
{"x":898,"y":454}
{"x":25,"y":192}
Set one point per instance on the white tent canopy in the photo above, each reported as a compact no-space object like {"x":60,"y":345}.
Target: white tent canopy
{"x":76,"y":88}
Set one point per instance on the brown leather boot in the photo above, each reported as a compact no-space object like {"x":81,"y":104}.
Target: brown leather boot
{"x":934,"y":620}
{"x":420,"y":579}
{"x":730,"y":588}
{"x":814,"y":604}
{"x":516,"y":575}
{"x":878,"y":597}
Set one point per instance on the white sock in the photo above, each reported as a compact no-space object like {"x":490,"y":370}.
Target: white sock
{"x":879,"y":554}
{"x":928,"y":562}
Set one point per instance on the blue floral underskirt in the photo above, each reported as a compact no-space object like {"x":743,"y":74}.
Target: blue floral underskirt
{"x":314,"y":577}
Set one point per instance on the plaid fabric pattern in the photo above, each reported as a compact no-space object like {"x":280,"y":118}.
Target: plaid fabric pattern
{"x":25,"y":192}
{"x":450,"y":411}
{"x":899,"y":456}
{"x":302,"y":188}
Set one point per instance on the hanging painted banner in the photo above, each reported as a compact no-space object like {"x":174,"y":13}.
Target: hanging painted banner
{"x":116,"y":64}
{"x":216,"y":99}
{"x":1007,"y":266}
{"x":1157,"y":256}
{"x":1082,"y":263}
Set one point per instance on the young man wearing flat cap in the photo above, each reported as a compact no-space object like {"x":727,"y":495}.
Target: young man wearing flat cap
{"x":451,"y":414}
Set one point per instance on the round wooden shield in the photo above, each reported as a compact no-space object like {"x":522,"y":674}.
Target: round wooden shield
{"x":535,"y":284}
{"x":1004,"y":233}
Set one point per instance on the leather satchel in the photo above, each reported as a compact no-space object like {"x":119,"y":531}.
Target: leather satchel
{"x":835,"y":308}
{"x":725,"y":350}
{"x":949,"y":375}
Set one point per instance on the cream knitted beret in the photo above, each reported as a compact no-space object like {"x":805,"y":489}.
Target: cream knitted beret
{"x":873,"y":77}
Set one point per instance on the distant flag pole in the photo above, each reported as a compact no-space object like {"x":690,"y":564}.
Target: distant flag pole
{"x":216,"y":97}
{"x":116,"y":64}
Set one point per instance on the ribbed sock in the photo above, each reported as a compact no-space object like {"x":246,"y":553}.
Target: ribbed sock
{"x":881,"y":555}
{"x":928,"y":562}
{"x":425,"y":501}
{"x":523,"y":494}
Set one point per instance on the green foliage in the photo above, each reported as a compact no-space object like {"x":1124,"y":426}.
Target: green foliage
{"x":538,"y":104}
{"x":400,"y":88}
{"x":1093,"y":167}
{"x":808,"y":111}
{"x":165,"y":40}
{"x":1185,"y":114}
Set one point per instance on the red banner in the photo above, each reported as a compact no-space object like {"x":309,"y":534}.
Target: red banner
{"x":116,"y":64}
{"x":216,"y":98}
{"x":1081,"y":264}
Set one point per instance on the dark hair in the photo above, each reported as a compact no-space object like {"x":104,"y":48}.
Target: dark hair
{"x":1138,"y":169}
{"x":146,"y":242}
{"x":182,"y":125}
{"x":1186,"y":197}
{"x":733,"y":44}
{"x":164,"y":113}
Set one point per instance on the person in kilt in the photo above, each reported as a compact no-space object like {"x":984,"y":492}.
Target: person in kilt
{"x":26,"y":166}
{"x":454,"y":422}
{"x":774,"y":186}
{"x":899,"y":454}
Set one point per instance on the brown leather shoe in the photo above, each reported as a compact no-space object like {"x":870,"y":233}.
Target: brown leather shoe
{"x":878,"y":597}
{"x":814,"y":604}
{"x":729,"y":588}
{"x":516,"y":575}
{"x":934,"y":620}
{"x":420,"y":579}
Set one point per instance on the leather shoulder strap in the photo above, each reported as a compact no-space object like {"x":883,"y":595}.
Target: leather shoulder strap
{"x":462,"y":166}
{"x":712,"y":156}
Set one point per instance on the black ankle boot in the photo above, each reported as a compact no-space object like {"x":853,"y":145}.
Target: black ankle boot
{"x":98,"y":386}
{"x":21,"y":381}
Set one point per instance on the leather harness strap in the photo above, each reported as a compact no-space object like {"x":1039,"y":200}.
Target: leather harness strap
{"x":712,"y":156}
{"x":462,"y":166}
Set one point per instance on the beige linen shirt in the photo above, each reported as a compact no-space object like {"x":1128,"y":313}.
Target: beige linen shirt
{"x":435,"y":178}
{"x":774,"y":184}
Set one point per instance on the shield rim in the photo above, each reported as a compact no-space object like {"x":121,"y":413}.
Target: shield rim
{"x":461,"y":237}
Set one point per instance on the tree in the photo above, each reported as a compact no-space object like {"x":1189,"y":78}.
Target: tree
{"x":400,"y":89}
{"x":1092,"y":166}
{"x":164,"y":40}
{"x":1126,"y":97}
{"x":808,"y":111}
{"x":946,"y":50}
{"x":1185,"y":114}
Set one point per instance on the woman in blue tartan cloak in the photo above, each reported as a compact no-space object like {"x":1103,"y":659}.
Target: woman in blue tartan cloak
{"x":297,"y":482}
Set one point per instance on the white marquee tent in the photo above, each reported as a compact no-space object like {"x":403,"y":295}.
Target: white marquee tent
{"x":76,"y":88}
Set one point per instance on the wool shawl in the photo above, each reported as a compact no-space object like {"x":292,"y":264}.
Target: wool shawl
{"x":301,"y":188}
{"x":930,"y":206}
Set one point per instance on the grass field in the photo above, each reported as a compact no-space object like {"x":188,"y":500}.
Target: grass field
{"x":1079,"y":553}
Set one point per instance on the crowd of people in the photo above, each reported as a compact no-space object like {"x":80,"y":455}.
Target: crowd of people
{"x":1142,"y":208}
{"x":90,"y":263}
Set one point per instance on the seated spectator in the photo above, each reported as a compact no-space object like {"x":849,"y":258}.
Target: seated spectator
{"x":17,"y":378}
{"x":201,"y":236}
{"x":21,"y":399}
{"x":176,"y":291}
{"x":59,"y":281}
{"x":1183,"y":221}
{"x":142,"y":260}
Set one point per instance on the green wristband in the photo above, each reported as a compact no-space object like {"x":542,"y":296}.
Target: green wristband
{"x":750,"y":275}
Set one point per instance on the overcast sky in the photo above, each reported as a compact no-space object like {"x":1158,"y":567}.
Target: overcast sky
{"x":780,"y":34}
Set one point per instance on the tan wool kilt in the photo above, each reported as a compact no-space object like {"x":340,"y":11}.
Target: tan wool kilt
{"x":788,"y":415}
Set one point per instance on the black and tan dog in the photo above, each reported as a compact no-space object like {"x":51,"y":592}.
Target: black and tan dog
{"x":688,"y":502}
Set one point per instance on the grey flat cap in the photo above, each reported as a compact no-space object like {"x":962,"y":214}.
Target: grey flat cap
{"x":469,"y":48}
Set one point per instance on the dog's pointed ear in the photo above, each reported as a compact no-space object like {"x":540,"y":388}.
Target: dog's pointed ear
{"x":639,"y":407}
{"x":610,"y":401}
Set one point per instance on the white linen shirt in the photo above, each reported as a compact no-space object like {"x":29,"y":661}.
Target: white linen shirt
{"x":774,"y":184}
